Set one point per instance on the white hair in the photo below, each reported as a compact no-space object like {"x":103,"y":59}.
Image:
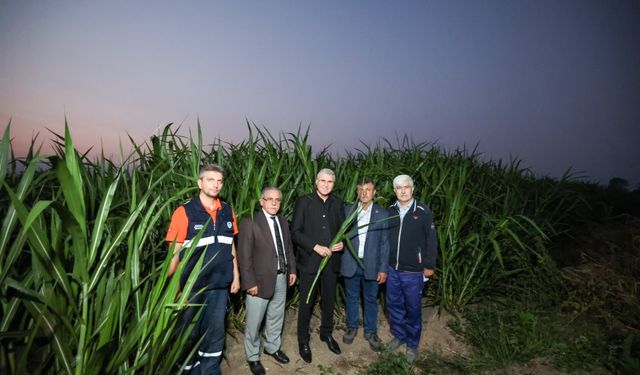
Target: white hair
{"x":267,"y":189}
{"x":326,"y":171}
{"x":402,"y":180}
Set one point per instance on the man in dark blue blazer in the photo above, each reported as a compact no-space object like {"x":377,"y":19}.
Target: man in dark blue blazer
{"x":370,"y":243}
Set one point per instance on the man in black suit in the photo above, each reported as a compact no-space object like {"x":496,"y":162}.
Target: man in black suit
{"x":267,"y":265}
{"x":316,"y":220}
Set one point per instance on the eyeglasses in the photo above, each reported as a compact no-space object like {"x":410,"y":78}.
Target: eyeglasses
{"x":271,"y":200}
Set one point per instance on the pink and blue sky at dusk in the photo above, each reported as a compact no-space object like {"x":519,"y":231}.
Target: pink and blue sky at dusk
{"x":554,"y":83}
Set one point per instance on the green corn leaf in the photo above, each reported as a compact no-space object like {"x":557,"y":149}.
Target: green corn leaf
{"x":4,"y":151}
{"x":344,"y":227}
{"x":27,"y":294}
{"x":101,"y":219}
{"x":14,"y":252}
{"x":122,"y":233}
{"x":11,"y":218}
{"x":14,"y":304}
{"x":39,"y":242}
{"x":73,"y":196}
{"x":110,"y":249}
{"x":59,"y":344}
{"x":73,"y":167}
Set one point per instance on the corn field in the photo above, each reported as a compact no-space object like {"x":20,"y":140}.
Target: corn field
{"x":83,"y":258}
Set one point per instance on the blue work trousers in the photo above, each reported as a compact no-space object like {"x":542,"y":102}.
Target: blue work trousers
{"x":210,"y":326}
{"x":353,"y":286}
{"x":404,"y":305}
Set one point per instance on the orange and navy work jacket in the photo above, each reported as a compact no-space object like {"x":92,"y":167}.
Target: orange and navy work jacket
{"x":218,"y":227}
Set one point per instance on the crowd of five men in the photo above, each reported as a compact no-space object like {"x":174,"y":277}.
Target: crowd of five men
{"x":397,"y":245}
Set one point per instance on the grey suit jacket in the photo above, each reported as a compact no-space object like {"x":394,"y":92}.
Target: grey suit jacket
{"x":376,"y":245}
{"x":257,"y":256}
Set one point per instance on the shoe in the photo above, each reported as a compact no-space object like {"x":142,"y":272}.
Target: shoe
{"x":331,"y":344}
{"x":256,"y":368}
{"x":411,"y":355}
{"x":349,"y":335}
{"x":374,"y":341}
{"x":394,"y":344}
{"x":305,"y":352}
{"x":278,"y":355}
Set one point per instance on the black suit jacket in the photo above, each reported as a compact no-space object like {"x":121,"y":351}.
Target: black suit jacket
{"x":257,"y":255}
{"x":316,"y":222}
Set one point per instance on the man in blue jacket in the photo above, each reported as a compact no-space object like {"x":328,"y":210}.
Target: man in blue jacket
{"x":412,"y":260}
{"x":219,"y":275}
{"x":370,"y":242}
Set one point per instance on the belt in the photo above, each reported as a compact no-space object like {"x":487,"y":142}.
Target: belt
{"x":280,"y":272}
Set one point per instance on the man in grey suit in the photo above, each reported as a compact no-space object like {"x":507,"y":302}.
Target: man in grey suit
{"x":267,"y":265}
{"x":371,"y":245}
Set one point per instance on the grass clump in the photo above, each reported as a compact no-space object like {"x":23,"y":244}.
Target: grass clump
{"x":502,"y":336}
{"x":389,"y":363}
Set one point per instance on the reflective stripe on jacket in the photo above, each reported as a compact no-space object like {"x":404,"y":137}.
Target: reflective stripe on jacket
{"x":216,"y":243}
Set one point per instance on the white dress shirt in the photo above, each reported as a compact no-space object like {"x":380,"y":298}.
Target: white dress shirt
{"x":364,"y":217}
{"x":273,"y":234}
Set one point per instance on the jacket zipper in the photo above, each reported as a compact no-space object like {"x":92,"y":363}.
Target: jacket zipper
{"x":400,"y":233}
{"x":399,"y":236}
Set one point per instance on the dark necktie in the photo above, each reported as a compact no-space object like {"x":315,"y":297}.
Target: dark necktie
{"x":279,"y":247}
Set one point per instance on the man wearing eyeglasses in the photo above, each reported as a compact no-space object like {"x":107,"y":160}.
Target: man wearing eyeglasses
{"x":267,"y":265}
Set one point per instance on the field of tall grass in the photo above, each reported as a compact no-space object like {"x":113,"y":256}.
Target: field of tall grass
{"x":83,"y":258}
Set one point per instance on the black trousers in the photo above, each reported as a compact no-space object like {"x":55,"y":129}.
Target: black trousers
{"x":327,"y":286}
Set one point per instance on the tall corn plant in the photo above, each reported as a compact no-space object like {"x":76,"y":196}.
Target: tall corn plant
{"x":83,"y":256}
{"x":81,"y":306}
{"x":484,"y":235}
{"x":481,"y":215}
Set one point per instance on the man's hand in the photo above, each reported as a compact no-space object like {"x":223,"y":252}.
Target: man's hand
{"x":337,"y":247}
{"x":175,"y":260}
{"x":173,"y":266}
{"x":323,"y":251}
{"x":235,"y":285}
{"x":292,"y":279}
{"x":428,"y":272}
{"x":253,"y":291}
{"x":382,"y":277}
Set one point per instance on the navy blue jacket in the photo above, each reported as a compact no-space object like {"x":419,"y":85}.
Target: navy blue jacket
{"x":376,"y":245}
{"x":413,"y":241}
{"x":216,"y":243}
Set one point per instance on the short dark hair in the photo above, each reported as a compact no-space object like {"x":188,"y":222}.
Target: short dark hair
{"x":211,"y":168}
{"x":366,"y":180}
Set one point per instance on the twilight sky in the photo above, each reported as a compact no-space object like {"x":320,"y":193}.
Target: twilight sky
{"x":555,"y":83}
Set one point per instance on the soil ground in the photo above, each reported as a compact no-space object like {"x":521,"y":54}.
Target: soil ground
{"x":355,"y":357}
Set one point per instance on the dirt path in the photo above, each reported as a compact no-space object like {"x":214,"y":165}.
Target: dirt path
{"x":354,"y":358}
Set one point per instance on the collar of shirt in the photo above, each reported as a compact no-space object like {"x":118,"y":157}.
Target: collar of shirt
{"x":216,"y":206}
{"x":269,"y":220}
{"x":403,"y":210}
{"x":327,"y":201}
{"x":364,"y":215}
